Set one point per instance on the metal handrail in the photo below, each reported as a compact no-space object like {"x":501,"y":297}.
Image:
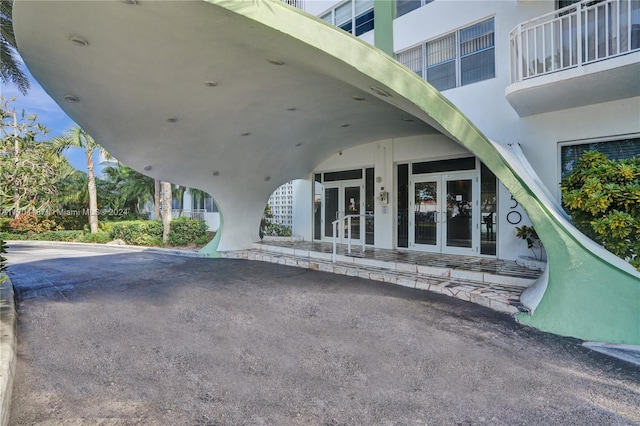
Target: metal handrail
{"x":334,"y":227}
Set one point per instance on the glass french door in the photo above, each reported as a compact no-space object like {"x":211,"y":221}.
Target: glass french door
{"x":342,"y":199}
{"x":443,"y":217}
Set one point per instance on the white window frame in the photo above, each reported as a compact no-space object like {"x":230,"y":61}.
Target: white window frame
{"x":458,"y":57}
{"x":587,"y":141}
{"x":330,"y":15}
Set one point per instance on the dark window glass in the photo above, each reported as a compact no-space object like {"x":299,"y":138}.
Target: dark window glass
{"x":364,"y":22}
{"x":442,"y":76}
{"x":489,"y":211}
{"x":317,"y":206}
{"x":343,"y":175}
{"x":406,"y":6}
{"x":477,"y":57}
{"x":403,"y":205}
{"x":477,"y":67}
{"x":616,"y":150}
{"x":347,"y":26}
{"x":468,"y":163}
{"x":369,"y":205}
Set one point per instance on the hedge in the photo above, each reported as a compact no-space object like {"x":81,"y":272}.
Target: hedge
{"x":136,"y":232}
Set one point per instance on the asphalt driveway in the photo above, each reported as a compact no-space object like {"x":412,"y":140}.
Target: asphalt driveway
{"x":116,"y":337}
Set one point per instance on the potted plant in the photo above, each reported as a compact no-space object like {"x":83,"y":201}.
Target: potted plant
{"x":529,"y":234}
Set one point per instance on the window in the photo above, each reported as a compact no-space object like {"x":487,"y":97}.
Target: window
{"x":457,"y":59}
{"x":615,"y":149}
{"x":405,"y":6}
{"x":354,"y":16}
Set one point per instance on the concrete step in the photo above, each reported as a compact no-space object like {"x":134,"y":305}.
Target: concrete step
{"x":475,"y":287}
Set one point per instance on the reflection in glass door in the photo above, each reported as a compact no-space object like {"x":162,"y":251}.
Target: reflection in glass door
{"x":443,"y":215}
{"x":425,"y":213}
{"x":331,"y":209}
{"x":352,"y":207}
{"x":459,"y":222}
{"x":341,"y":200}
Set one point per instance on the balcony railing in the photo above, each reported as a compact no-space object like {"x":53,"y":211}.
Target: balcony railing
{"x":574,"y":36}
{"x":295,"y":3}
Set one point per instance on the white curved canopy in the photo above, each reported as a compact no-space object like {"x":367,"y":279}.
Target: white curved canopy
{"x":192,"y":93}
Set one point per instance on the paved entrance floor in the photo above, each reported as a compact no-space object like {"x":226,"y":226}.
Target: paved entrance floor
{"x":110,"y":336}
{"x":489,"y":282}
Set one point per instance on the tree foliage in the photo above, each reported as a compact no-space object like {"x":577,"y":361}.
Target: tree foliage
{"x":603,"y":198}
{"x":28,"y":168}
{"x":10,"y":71}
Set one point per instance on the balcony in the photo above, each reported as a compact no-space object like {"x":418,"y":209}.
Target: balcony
{"x":583,"y":54}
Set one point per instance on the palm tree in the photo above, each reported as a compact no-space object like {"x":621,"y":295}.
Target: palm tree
{"x":10,"y":71}
{"x":166,"y":211}
{"x":76,"y":137}
{"x":133,"y":189}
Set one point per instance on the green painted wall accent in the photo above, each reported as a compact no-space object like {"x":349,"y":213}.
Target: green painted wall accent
{"x":590,"y":296}
{"x":211,"y":249}
{"x":384,"y":12}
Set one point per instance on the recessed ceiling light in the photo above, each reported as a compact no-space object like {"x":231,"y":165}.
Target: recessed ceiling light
{"x":408,"y":120}
{"x":245,"y":133}
{"x":147,"y":168}
{"x":292,"y":108}
{"x":210,"y":83}
{"x":358,"y":98}
{"x":380,"y":91}
{"x":130,"y":1}
{"x":299,"y":144}
{"x":71,"y":99}
{"x":345,"y":125}
{"x":77,"y":40}
{"x":275,"y":61}
{"x":172,"y":119}
{"x":216,"y":173}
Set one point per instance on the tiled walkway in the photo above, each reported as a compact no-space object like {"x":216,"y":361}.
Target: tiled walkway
{"x":494,"y":283}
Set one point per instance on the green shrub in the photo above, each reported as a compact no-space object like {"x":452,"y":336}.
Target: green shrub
{"x":8,"y":236}
{"x":139,"y":232}
{"x":3,"y":266}
{"x":603,"y":198}
{"x":70,"y":222}
{"x":99,"y":237}
{"x":277,"y":230}
{"x":66,"y":236}
{"x":186,"y":231}
{"x":4,"y":224}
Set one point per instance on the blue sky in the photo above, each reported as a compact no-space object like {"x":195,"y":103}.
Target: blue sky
{"x":38,"y":102}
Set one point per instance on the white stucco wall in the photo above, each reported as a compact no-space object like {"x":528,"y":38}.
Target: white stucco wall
{"x":303,"y":209}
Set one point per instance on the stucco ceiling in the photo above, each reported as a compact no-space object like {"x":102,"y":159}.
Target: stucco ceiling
{"x":199,"y":94}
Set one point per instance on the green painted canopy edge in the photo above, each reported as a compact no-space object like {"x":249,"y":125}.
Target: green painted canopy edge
{"x":587,"y":297}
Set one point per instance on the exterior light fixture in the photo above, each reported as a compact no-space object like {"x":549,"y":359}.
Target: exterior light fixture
{"x":379,"y":91}
{"x":245,"y":133}
{"x":77,"y":40}
{"x":408,"y":120}
{"x":216,"y":173}
{"x":292,"y":108}
{"x":275,"y":62}
{"x":71,"y":99}
{"x":299,"y":144}
{"x":267,"y":179}
{"x":358,"y":98}
{"x":210,"y":83}
{"x":345,"y":125}
{"x":131,"y":2}
{"x":147,"y":168}
{"x":172,"y":119}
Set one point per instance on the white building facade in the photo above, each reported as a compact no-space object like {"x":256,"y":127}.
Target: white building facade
{"x":556,"y":79}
